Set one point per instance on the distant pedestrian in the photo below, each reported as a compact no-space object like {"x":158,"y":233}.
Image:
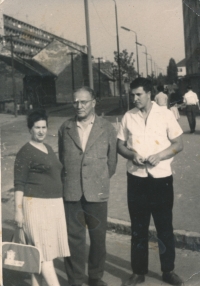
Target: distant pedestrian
{"x":87,"y":150}
{"x":18,"y":108}
{"x":25,"y":106}
{"x":161,"y":98}
{"x":192,"y":103}
{"x":149,"y":137}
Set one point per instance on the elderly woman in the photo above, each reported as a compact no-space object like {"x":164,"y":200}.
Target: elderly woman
{"x":38,"y":198}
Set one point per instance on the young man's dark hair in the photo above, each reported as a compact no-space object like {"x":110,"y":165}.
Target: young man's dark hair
{"x":141,"y":82}
{"x":160,"y":88}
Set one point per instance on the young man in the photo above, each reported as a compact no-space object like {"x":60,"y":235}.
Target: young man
{"x":87,"y":150}
{"x":149,"y":137}
{"x":192,"y":103}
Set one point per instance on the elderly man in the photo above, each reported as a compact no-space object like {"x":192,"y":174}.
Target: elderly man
{"x":192,"y":102}
{"x":87,"y":150}
{"x":149,"y":137}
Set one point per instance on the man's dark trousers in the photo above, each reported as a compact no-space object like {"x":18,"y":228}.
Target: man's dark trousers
{"x":148,"y":196}
{"x":191,"y":116}
{"x":81,"y":215}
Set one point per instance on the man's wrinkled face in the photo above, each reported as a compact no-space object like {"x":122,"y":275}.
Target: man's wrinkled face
{"x":141,"y":97}
{"x":83,"y":104}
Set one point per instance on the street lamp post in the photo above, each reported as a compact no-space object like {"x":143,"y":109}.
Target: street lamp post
{"x":118,"y":57}
{"x":146,"y":59}
{"x":136,"y":43}
{"x":146,"y":56}
{"x":151,"y":64}
{"x":10,"y":37}
{"x":155,"y":69}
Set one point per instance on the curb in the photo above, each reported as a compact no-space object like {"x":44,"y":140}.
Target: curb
{"x":183,"y":239}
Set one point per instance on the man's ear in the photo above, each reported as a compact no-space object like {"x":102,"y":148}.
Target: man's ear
{"x":94,"y":102}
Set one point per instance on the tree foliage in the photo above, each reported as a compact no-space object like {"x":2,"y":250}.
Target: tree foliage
{"x":126,"y":65}
{"x":172,"y":72}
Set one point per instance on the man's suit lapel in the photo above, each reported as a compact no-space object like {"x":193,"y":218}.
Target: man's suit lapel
{"x":96,"y":131}
{"x":73,"y":132}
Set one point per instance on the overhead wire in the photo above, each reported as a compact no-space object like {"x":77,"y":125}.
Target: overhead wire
{"x":101,"y":20}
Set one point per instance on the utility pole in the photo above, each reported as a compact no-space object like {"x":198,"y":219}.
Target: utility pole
{"x":10,"y":37}
{"x":118,"y":58}
{"x":72,"y":71}
{"x":13,"y":77}
{"x":113,"y":71}
{"x":89,"y":50}
{"x":99,"y":70}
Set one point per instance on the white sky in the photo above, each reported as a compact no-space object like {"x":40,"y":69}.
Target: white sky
{"x":158,"y":23}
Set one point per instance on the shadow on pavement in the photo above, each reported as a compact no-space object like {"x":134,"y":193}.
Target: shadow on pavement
{"x":114,"y":265}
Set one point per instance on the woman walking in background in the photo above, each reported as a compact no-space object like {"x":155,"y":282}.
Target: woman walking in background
{"x":39,"y":206}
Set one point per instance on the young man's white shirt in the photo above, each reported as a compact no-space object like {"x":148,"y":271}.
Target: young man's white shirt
{"x":150,"y":138}
{"x":190,"y":98}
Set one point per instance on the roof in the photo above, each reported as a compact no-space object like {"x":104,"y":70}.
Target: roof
{"x":54,"y":57}
{"x":182,"y":63}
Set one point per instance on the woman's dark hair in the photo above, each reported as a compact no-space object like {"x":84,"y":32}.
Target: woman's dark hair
{"x":36,"y":115}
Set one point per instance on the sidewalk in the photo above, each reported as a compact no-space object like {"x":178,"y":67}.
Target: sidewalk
{"x":10,"y":118}
{"x":118,"y":269}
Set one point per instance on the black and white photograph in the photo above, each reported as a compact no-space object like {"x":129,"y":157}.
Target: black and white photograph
{"x":99,"y":141}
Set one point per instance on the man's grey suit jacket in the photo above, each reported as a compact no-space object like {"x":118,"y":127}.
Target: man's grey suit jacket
{"x":87,"y":172}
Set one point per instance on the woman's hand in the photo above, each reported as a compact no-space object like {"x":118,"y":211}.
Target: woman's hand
{"x":19,"y":218}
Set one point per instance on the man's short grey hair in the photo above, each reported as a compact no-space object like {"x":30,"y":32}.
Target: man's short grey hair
{"x":88,"y":89}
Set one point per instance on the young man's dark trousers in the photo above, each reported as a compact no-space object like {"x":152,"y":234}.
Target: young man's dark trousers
{"x":151,"y":196}
{"x":191,"y":116}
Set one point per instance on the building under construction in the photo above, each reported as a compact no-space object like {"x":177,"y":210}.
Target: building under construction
{"x":47,"y":67}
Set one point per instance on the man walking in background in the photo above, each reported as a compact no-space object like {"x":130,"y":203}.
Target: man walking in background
{"x":192,"y":103}
{"x":149,"y":137}
{"x":161,"y":98}
{"x":87,"y":150}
